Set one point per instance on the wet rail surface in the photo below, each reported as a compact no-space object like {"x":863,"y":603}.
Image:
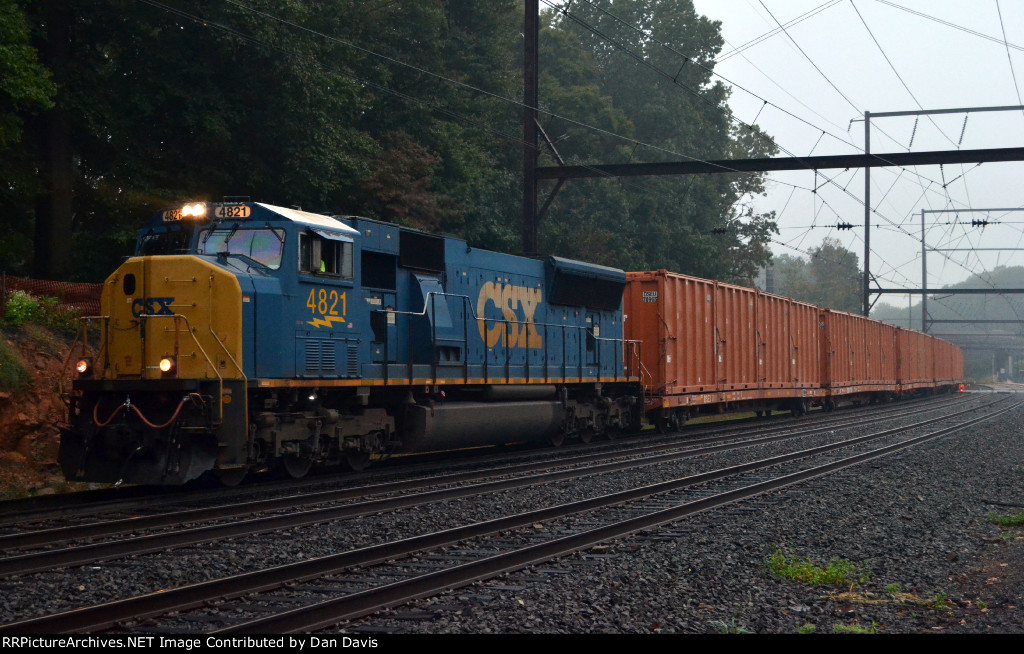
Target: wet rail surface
{"x":694,"y":494}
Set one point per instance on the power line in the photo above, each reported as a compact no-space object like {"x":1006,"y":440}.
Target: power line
{"x":687,"y":59}
{"x":456,"y":116}
{"x":564,"y":11}
{"x":767,"y":35}
{"x":1016,"y":87}
{"x":921,"y":14}
{"x":896,"y":72}
{"x":444,"y":110}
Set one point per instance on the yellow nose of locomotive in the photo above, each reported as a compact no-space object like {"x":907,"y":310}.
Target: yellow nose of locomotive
{"x":176,"y":317}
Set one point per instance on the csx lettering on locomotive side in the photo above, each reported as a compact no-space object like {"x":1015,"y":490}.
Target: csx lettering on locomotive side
{"x":518,"y":304}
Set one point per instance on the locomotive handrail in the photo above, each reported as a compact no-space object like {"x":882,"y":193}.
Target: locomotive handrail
{"x":177,"y":316}
{"x":206,"y":357}
{"x":84,"y":321}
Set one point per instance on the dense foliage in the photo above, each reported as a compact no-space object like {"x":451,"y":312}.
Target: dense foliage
{"x":110,"y":109}
{"x":829,"y":277}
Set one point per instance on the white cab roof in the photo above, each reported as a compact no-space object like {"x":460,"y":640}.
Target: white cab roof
{"x":311,"y":219}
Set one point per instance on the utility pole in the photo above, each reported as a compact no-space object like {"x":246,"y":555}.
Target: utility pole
{"x":531,"y":30}
{"x":867,"y":216}
{"x":924,"y":280}
{"x":926,"y":321}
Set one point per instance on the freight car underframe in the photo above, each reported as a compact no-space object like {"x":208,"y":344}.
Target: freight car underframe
{"x":670,"y":412}
{"x":173,"y":431}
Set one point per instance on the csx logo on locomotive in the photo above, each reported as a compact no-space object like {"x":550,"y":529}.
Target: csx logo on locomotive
{"x":517,"y":305}
{"x":152,"y":306}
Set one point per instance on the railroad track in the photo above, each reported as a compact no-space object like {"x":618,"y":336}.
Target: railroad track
{"x":177,"y":532}
{"x":140,"y":505}
{"x":634,"y":509}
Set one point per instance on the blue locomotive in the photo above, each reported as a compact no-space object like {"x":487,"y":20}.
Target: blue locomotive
{"x":244,"y":336}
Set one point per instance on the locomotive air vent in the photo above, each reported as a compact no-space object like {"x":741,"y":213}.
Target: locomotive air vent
{"x":320,"y":357}
{"x":353,"y":361}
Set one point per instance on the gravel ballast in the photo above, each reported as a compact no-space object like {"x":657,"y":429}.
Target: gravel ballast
{"x":916,"y":521}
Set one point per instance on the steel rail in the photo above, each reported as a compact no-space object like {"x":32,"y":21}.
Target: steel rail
{"x":329,"y":613}
{"x":26,"y":539}
{"x":78,"y":555}
{"x":14,"y":513}
{"x":109,"y":614}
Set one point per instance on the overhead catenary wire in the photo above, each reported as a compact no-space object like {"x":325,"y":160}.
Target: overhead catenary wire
{"x":564,"y":10}
{"x":1002,"y":26}
{"x":470,"y":87}
{"x":921,"y":14}
{"x":454,"y":115}
{"x":898,"y":76}
{"x":769,"y":34}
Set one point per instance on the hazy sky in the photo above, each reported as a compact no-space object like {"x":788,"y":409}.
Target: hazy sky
{"x":941,"y":67}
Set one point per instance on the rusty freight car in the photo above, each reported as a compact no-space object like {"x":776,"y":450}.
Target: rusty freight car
{"x":710,"y":347}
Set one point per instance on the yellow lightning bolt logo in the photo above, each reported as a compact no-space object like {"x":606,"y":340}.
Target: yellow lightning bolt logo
{"x":326,"y":304}
{"x":327,"y":321}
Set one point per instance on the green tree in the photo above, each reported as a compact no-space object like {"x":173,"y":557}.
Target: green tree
{"x":285,"y":102}
{"x":25,"y":85}
{"x":26,"y":89}
{"x":268,"y":100}
{"x":829,"y":278}
{"x":642,"y":69}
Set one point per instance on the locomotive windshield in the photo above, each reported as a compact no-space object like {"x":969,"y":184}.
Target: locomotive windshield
{"x":264,"y":246}
{"x":172,"y":241}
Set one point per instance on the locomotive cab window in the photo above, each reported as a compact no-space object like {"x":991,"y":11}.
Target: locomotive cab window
{"x":172,"y":241}
{"x":325,"y":253}
{"x":265,"y":246}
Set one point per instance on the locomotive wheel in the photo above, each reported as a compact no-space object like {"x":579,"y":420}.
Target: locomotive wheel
{"x":586,"y":436}
{"x":296,"y":466}
{"x":357,"y":461}
{"x":556,"y":439}
{"x":231,"y":476}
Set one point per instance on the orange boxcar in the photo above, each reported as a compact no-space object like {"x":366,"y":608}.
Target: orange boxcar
{"x":674,"y":317}
{"x":709,"y":346}
{"x":858,"y":355}
{"x":916,"y":369}
{"x":720,"y":346}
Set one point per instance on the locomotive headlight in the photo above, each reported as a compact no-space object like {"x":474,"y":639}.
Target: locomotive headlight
{"x":84,"y":366}
{"x":167,"y":365}
{"x":197,"y":210}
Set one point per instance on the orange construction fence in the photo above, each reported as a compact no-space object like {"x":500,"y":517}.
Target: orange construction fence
{"x":83,"y":297}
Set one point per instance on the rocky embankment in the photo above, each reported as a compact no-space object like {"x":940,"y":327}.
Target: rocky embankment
{"x":29,"y":436}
